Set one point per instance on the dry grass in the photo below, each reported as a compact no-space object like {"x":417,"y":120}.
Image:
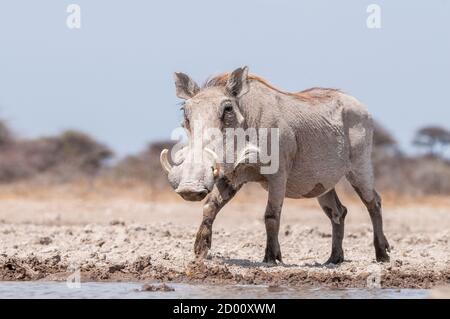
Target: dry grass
{"x":101,"y":189}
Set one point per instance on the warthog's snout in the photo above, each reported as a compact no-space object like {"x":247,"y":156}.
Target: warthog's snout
{"x":192,"y":193}
{"x":190,"y":179}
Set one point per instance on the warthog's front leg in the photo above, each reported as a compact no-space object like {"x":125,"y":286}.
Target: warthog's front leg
{"x":221,"y":194}
{"x":272,"y":215}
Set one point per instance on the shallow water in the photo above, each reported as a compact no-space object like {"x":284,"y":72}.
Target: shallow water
{"x":131,"y":290}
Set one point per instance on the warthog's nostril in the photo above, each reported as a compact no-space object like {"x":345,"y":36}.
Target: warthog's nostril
{"x":192,"y":194}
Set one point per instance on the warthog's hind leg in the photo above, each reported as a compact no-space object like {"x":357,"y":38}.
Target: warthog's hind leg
{"x":334,"y":209}
{"x":372,"y":200}
{"x":221,"y":194}
{"x":380,"y":242}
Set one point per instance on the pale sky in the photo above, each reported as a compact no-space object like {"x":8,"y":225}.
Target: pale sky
{"x":113,"y":77}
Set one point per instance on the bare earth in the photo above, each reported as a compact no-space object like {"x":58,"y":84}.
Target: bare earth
{"x":110,"y":237}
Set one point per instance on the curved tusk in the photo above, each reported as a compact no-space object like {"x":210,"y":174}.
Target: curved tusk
{"x":212,"y":153}
{"x":246,"y":153}
{"x":164,"y":160}
{"x":216,"y":170}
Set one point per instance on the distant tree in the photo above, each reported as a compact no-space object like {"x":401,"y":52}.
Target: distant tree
{"x":433,"y":138}
{"x":6,"y":137}
{"x":385,"y":150}
{"x":83,"y":150}
{"x":382,"y":138}
{"x":68,"y":152}
{"x":145,"y":166}
{"x":71,"y":154}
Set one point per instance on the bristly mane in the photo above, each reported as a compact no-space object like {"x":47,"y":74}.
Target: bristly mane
{"x":311,"y":94}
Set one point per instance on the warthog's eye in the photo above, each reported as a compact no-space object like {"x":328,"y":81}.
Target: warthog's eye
{"x":228,"y":117}
{"x":227,"y":111}
{"x":228,"y":108}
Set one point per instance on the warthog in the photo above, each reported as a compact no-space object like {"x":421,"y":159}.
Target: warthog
{"x":324,"y":135}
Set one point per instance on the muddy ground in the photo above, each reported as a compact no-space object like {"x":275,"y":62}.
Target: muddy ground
{"x":124,"y":238}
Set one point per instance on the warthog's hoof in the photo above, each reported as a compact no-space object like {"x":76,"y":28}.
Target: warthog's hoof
{"x":272,"y":257}
{"x":335,"y":259}
{"x":202,"y":242}
{"x":382,"y":250}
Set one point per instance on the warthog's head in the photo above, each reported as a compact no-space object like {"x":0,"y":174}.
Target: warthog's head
{"x":208,"y":112}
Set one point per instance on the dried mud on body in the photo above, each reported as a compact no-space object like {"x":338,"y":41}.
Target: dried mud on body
{"x":135,"y":239}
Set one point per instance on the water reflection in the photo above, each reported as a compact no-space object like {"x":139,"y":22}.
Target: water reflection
{"x":133,"y":290}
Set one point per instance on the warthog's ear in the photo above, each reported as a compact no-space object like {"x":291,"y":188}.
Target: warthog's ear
{"x":237,"y":84}
{"x":185,"y":86}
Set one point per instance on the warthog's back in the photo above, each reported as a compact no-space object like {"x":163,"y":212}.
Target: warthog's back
{"x":328,"y":129}
{"x":321,"y":131}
